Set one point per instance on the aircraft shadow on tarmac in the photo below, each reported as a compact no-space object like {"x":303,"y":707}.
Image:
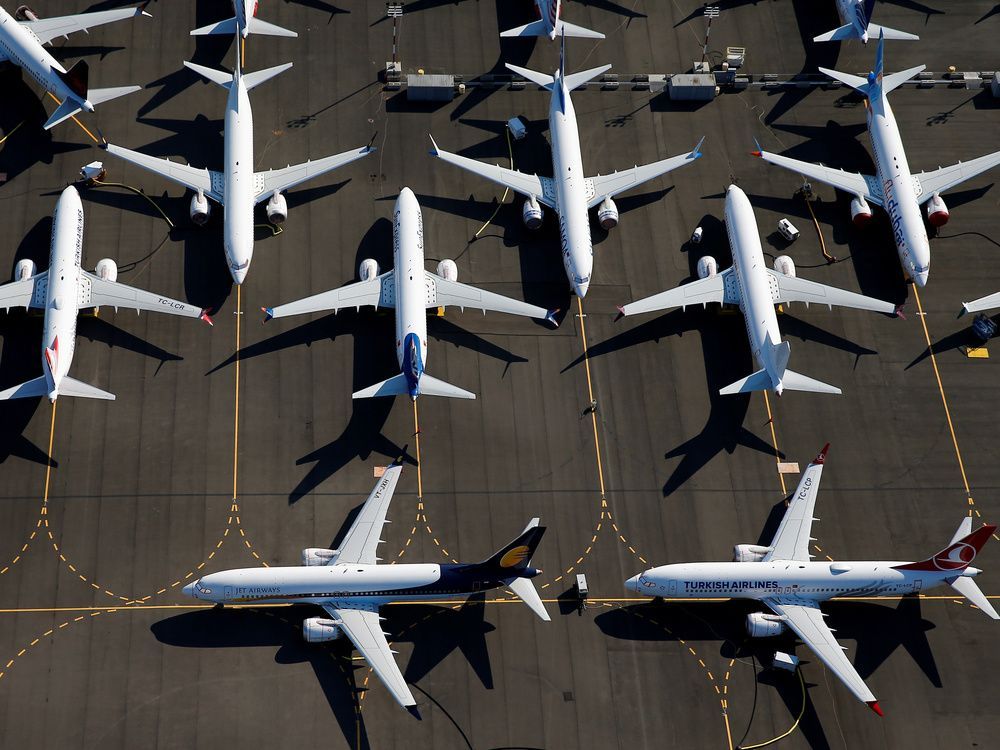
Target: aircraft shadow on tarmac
{"x":878,"y":629}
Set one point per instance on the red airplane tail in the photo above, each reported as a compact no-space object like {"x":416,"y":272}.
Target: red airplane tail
{"x":958,"y":555}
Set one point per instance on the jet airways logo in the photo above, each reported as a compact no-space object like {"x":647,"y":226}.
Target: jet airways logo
{"x":515,"y":557}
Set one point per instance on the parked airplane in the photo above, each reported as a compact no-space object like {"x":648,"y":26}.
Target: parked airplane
{"x":350,"y":585}
{"x":569,"y":193}
{"x":893,"y":187}
{"x":750,"y":284}
{"x":238,"y":188}
{"x":783,"y":577}
{"x":65,"y":289}
{"x":856,"y":16}
{"x":550,"y":24}
{"x":244,"y":23}
{"x":411,"y":290}
{"x":22,"y":43}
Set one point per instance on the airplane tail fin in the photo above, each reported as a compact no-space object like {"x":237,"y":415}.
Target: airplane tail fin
{"x":256,"y":26}
{"x":31,"y":389}
{"x":537,"y":28}
{"x":229,"y":26}
{"x":76,"y":78}
{"x":71,"y":387}
{"x":433,"y":387}
{"x":960,"y":552}
{"x":513,"y":562}
{"x":793,"y":381}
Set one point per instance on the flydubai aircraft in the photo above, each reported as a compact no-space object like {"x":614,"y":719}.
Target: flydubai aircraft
{"x":568,"y":192}
{"x":239,"y":188}
{"x":550,"y":24}
{"x":856,"y":16}
{"x":244,"y":23}
{"x":65,"y":289}
{"x":22,"y":43}
{"x":350,"y":585}
{"x":753,"y":286}
{"x":893,"y":187}
{"x":411,"y":290}
{"x":783,"y":577}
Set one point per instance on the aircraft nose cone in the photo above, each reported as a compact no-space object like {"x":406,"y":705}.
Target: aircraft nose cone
{"x":239,"y":275}
{"x":580,"y":290}
{"x":189,"y":590}
{"x":632,"y":584}
{"x":920,"y":279}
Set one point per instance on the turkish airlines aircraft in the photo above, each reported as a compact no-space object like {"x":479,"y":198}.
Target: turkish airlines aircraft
{"x":893,"y":187}
{"x":856,"y":15}
{"x":65,"y":289}
{"x":22,"y":43}
{"x":783,"y":577}
{"x":244,"y":23}
{"x":550,"y":24}
{"x":750,"y":284}
{"x":411,"y":290}
{"x":568,"y":192}
{"x":350,"y":585}
{"x":238,"y":188}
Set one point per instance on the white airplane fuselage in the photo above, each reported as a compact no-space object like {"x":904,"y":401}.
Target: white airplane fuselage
{"x":570,"y":187}
{"x":901,"y":204}
{"x":814,"y":581}
{"x":853,"y":12}
{"x":410,"y":288}
{"x":20,"y":44}
{"x":238,"y":207}
{"x":62,"y":289}
{"x":752,"y":278}
{"x":548,"y":11}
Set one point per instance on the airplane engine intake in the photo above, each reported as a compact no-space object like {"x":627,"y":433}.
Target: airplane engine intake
{"x":277,"y":209}
{"x":607,"y":214}
{"x":531,"y":213}
{"x":24,"y":13}
{"x":24,"y":269}
{"x":200,"y":210}
{"x":106,"y":269}
{"x":707,"y":267}
{"x":368,"y":269}
{"x":760,"y":625}
{"x":318,"y":556}
{"x":749,"y":553}
{"x":937,"y":211}
{"x":861,"y":212}
{"x":320,"y":630}
{"x":785,"y":265}
{"x":448,"y":270}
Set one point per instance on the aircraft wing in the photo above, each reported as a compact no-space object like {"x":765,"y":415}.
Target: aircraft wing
{"x":199,"y":180}
{"x":97,"y":292}
{"x":362,"y":539}
{"x":794,"y":289}
{"x":720,"y":288}
{"x":377,"y":292}
{"x":805,"y":618}
{"x":791,"y":540}
{"x":605,"y":186}
{"x":526,"y":184}
{"x":977,"y":305}
{"x":946,"y":178}
{"x":47,"y":29}
{"x":442,"y":292}
{"x":266,"y":183}
{"x":22,"y":293}
{"x":363,"y":628}
{"x":854,"y":183}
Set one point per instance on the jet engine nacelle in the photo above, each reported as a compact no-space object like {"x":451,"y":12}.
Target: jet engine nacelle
{"x":24,"y":13}
{"x":448,"y":270}
{"x":785,"y":265}
{"x":531,"y":213}
{"x":861,"y":212}
{"x":277,"y":209}
{"x":760,"y":625}
{"x":318,"y":556}
{"x":200,"y":210}
{"x":607,"y":214}
{"x":24,"y":269}
{"x":368,"y":269}
{"x":937,"y":211}
{"x":320,"y":630}
{"x":707,"y":267}
{"x":749,"y":552}
{"x":106,"y":269}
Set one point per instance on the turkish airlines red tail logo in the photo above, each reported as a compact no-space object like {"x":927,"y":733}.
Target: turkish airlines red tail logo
{"x":957,"y":556}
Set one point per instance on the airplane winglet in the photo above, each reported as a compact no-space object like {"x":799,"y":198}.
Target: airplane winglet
{"x":550,"y":317}
{"x":268,"y":313}
{"x":696,"y":151}
{"x":759,"y":150}
{"x":205,"y":316}
{"x":873,"y":705}
{"x":621,"y":312}
{"x":434,"y":146}
{"x":821,"y":458}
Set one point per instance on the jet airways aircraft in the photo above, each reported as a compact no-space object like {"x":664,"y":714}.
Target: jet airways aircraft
{"x":856,"y":16}
{"x":22,"y":43}
{"x":550,"y":24}
{"x":568,"y":192}
{"x":750,"y":284}
{"x":350,"y":585}
{"x":238,"y":188}
{"x":893,"y":187}
{"x":244,"y":23}
{"x":784,"y":578}
{"x":411,"y":290}
{"x":62,"y":291}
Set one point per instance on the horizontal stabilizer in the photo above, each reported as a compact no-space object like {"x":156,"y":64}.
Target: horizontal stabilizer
{"x":847,"y":31}
{"x":571,"y":29}
{"x":542,"y":79}
{"x":968,"y":588}
{"x":895,"y":80}
{"x":793,"y":381}
{"x":71,"y":387}
{"x":31,"y":389}
{"x":538,"y":28}
{"x":433,"y":387}
{"x":535,"y":28}
{"x":99,"y":96}
{"x":63,"y":112}
{"x":394,"y":386}
{"x":875,"y":30}
{"x":221,"y":77}
{"x":256,"y":26}
{"x":758,"y":381}
{"x":228,"y":26}
{"x":858,"y":83}
{"x":252,"y":80}
{"x":575,"y":80}
{"x":525,"y":589}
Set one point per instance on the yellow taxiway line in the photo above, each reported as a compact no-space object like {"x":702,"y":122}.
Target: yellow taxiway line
{"x":416,"y":434}
{"x":73,"y":118}
{"x":774,"y":442}
{"x":236,"y":411}
{"x":590,"y":394}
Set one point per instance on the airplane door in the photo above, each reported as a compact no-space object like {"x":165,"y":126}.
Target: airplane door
{"x":227,"y":592}
{"x":673,"y":588}
{"x":917,"y":584}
